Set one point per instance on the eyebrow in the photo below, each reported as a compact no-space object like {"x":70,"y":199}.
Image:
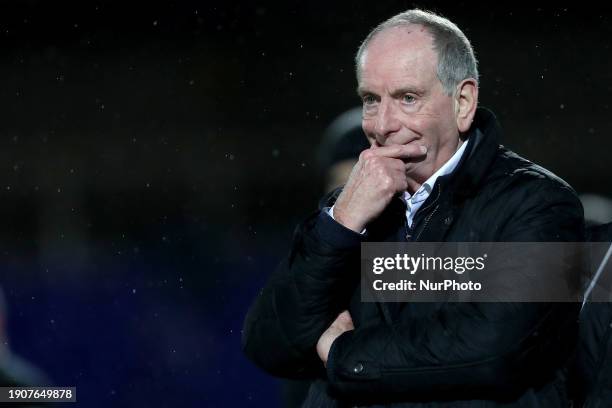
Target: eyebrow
{"x":406,"y":90}
{"x":361,"y":91}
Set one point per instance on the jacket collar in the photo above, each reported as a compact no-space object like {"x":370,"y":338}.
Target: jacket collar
{"x":483,"y":142}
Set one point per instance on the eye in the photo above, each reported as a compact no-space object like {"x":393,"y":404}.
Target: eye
{"x":368,"y":100}
{"x":409,"y":99}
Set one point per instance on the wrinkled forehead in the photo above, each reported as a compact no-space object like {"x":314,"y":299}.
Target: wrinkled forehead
{"x":399,"y":51}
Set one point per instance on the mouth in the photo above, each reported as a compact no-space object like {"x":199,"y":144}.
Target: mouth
{"x":410,"y":138}
{"x":393,"y":142}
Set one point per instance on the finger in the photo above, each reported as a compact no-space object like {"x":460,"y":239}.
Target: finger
{"x":348,"y":316}
{"x":397,"y":151}
{"x":397,"y":165}
{"x":345,"y":316}
{"x":349,"y":322}
{"x":345,"y":321}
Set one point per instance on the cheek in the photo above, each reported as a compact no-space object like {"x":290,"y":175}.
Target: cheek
{"x":421,"y":124}
{"x":372,"y":141}
{"x":367,"y":126}
{"x":440,"y":123}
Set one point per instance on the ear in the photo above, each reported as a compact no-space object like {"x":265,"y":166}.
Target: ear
{"x":466,"y":101}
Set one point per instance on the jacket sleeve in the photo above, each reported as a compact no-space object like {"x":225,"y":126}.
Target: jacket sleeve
{"x":302,"y":298}
{"x":469,"y":350}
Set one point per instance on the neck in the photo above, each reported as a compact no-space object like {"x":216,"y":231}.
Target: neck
{"x":414,"y":184}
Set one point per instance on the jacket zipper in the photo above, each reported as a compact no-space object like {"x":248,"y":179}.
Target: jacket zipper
{"x":427,"y":222}
{"x":411,"y":229}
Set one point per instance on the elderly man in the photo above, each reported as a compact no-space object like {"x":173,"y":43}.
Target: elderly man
{"x":434,"y":172}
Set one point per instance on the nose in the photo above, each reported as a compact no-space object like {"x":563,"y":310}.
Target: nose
{"x":386,"y":121}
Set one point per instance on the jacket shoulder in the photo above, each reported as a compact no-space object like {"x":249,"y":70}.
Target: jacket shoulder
{"x":514,"y":172}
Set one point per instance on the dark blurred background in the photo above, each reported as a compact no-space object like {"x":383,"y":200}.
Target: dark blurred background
{"x":154,"y":159}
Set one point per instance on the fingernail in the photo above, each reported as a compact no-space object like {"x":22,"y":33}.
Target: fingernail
{"x":423,"y":149}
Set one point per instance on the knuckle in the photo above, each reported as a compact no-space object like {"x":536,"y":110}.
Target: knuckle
{"x":386,"y":182}
{"x":382,"y":172}
{"x":365,"y":155}
{"x":373,"y":162}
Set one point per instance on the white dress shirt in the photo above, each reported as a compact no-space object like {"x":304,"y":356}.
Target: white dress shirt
{"x":414,"y":202}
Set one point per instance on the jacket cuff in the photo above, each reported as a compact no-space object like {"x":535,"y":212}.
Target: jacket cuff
{"x":332,"y":357}
{"x":335,"y":234}
{"x":345,"y":372}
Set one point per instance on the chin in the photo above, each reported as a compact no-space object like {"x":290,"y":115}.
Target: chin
{"x":417,"y":171}
{"x":412,"y":169}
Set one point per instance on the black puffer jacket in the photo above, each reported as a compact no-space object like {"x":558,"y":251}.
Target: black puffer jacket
{"x":426,"y":354}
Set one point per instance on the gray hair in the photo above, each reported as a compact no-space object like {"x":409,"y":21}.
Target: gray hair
{"x":456,"y":60}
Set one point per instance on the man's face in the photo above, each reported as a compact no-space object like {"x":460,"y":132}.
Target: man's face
{"x":403,"y":99}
